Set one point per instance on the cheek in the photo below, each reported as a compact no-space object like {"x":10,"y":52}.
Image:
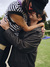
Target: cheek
{"x":35,"y":18}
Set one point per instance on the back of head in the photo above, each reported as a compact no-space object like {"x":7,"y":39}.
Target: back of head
{"x":37,"y":5}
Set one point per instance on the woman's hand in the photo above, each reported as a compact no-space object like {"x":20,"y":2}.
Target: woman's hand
{"x":4,"y":25}
{"x":41,"y":24}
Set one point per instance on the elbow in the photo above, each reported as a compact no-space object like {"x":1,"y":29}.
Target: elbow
{"x":26,"y":30}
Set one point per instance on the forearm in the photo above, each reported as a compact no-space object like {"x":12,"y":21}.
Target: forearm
{"x":29,"y":28}
{"x":32,"y":27}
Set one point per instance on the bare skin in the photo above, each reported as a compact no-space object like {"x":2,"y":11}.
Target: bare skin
{"x":21,"y":22}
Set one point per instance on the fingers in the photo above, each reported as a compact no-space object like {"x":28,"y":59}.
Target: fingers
{"x":6,"y":20}
{"x":43,"y":30}
{"x":4,"y":25}
{"x":2,"y":22}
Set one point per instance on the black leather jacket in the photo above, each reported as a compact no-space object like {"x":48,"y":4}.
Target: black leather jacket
{"x":24,"y":47}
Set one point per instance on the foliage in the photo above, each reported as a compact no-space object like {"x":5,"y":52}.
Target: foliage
{"x":47,"y":25}
{"x":47,"y":32}
{"x":1,"y":17}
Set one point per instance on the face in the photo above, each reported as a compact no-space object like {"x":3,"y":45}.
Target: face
{"x":32,"y":14}
{"x":34,"y":17}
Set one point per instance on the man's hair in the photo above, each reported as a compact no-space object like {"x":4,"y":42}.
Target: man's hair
{"x":43,"y":16}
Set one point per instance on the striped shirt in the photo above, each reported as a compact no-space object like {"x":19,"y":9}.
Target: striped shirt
{"x":15,"y":8}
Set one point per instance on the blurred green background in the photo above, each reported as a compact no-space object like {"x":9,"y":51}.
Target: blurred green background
{"x":43,"y":55}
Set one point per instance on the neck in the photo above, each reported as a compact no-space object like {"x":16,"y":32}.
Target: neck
{"x":33,"y":22}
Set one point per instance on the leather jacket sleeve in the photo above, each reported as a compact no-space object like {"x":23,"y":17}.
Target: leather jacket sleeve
{"x":31,"y":40}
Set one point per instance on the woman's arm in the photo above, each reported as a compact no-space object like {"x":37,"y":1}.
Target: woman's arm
{"x":5,"y":25}
{"x":21,"y":22}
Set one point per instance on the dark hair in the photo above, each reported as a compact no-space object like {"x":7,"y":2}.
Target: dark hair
{"x":44,"y":15}
{"x":25,"y":7}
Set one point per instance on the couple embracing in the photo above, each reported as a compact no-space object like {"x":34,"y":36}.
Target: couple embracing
{"x":22,"y":30}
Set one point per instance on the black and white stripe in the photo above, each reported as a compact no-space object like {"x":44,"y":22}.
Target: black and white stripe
{"x":16,"y":8}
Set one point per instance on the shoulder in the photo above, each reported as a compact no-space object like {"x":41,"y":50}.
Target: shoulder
{"x":15,"y":6}
{"x":33,"y":37}
{"x":37,"y":32}
{"x":34,"y":34}
{"x":14,"y":3}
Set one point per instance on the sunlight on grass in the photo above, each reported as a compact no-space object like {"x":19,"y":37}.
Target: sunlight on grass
{"x":43,"y":55}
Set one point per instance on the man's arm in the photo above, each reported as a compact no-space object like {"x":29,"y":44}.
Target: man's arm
{"x":28,"y":44}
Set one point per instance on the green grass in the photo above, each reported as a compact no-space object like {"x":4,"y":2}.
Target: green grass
{"x":43,"y":55}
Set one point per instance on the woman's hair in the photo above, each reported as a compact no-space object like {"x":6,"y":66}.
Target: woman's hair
{"x":25,"y":5}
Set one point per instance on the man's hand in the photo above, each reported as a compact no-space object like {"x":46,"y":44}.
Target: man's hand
{"x":43,"y":27}
{"x":4,"y":25}
{"x":43,"y":30}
